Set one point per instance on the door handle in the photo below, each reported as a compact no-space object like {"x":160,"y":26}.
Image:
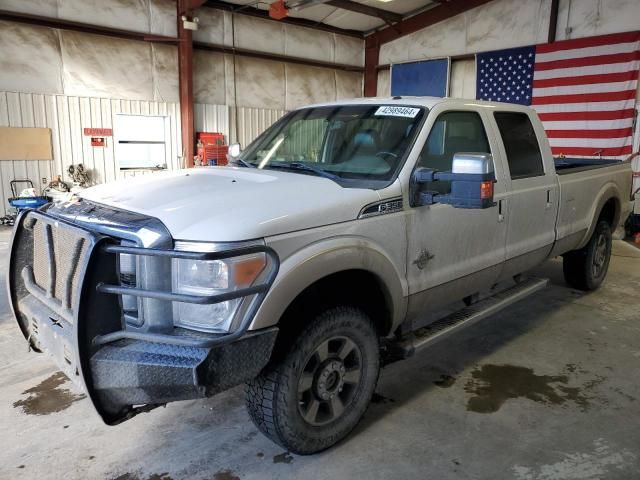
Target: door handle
{"x":500,"y":210}
{"x":548,"y":199}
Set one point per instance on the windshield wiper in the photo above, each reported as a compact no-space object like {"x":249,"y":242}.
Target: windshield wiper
{"x":305,"y":168}
{"x":244,"y":163}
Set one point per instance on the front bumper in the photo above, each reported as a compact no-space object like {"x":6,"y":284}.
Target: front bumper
{"x":72,"y":310}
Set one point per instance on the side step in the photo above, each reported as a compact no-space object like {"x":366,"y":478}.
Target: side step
{"x":470,"y":315}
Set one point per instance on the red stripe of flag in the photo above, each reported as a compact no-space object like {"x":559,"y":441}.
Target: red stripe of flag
{"x":592,"y":152}
{"x":586,"y":79}
{"x":588,"y":61}
{"x":604,"y":115}
{"x":585,"y":97}
{"x":607,"y":133}
{"x":589,"y":42}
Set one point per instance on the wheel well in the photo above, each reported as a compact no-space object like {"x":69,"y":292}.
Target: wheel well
{"x":609,"y":212}
{"x":358,"y":288}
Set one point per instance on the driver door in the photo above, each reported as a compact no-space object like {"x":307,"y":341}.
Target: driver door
{"x":454,"y":252}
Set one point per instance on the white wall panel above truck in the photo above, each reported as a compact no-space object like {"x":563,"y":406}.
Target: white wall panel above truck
{"x":462,"y":83}
{"x":267,"y":36}
{"x":149,"y":16}
{"x":586,"y":18}
{"x":89,"y":67}
{"x":30,"y":59}
{"x":497,"y":24}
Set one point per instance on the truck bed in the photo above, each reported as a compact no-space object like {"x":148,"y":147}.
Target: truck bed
{"x":566,"y":165}
{"x":585,"y":184}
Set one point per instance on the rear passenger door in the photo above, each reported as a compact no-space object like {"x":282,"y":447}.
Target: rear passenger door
{"x":532,"y":197}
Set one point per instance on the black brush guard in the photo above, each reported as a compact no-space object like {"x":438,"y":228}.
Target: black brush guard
{"x":77,"y":318}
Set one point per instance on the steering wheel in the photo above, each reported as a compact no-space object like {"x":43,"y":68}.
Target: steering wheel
{"x":384,"y":154}
{"x":387,"y":157}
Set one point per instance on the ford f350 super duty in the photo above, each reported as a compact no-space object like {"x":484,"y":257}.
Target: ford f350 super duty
{"x":343,"y":237}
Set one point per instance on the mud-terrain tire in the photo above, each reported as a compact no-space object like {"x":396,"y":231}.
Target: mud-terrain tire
{"x":316,"y":394}
{"x":585,"y":269}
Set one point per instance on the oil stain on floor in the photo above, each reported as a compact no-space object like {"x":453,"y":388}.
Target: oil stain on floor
{"x":225,"y":475}
{"x":284,"y":457}
{"x":48,"y":396}
{"x":136,"y":476}
{"x":491,"y":386}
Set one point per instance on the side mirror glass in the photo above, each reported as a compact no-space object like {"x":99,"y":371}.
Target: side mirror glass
{"x":472,"y":178}
{"x":234,"y":150}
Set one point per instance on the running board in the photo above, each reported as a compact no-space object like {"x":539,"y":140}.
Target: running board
{"x":470,"y":315}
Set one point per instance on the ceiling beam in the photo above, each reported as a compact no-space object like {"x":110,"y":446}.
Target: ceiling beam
{"x":553,"y":21}
{"x":83,"y":27}
{"x":386,"y":15}
{"x":276,"y":57}
{"x":440,"y":12}
{"x":264,"y":14}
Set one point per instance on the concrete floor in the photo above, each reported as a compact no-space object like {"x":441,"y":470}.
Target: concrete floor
{"x":548,"y":389}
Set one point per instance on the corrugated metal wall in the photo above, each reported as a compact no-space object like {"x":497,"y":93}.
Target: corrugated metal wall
{"x":212,"y":118}
{"x":67,"y":116}
{"x":251,"y":122}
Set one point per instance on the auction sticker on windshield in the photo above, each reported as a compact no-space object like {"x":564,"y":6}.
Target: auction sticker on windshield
{"x":390,"y":111}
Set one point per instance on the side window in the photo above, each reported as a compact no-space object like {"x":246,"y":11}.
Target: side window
{"x":452,"y":132}
{"x":520,"y":144}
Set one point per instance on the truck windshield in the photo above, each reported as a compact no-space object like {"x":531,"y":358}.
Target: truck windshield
{"x":355,"y":145}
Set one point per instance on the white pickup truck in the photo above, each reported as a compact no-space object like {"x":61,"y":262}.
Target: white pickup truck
{"x":330,"y":248}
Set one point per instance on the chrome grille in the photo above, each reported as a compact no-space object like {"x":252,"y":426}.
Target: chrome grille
{"x":65,"y":249}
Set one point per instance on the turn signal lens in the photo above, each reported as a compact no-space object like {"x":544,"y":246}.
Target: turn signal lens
{"x":486,"y":190}
{"x":246,"y":271}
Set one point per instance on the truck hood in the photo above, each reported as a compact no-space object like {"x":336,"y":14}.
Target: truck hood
{"x":227,"y":204}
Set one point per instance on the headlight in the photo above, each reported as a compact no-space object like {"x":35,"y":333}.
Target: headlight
{"x":212,"y":277}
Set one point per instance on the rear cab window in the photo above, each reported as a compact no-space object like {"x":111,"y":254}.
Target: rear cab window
{"x":520,"y":144}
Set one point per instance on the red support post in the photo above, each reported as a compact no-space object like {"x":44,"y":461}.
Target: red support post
{"x":371,"y":60}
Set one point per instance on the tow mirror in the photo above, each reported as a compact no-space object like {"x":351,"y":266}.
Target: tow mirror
{"x":234,"y":150}
{"x":472,"y":178}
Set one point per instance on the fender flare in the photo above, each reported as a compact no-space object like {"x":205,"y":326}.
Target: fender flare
{"x":318,"y":260}
{"x":607,"y":192}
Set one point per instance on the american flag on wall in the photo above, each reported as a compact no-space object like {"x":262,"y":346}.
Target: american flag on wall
{"x":584,"y":90}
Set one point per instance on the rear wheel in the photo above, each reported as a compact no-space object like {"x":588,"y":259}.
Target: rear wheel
{"x":318,"y":392}
{"x":585,"y":269}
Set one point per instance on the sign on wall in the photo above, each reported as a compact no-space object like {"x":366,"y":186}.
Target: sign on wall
{"x":427,"y":78}
{"x":98,"y":132}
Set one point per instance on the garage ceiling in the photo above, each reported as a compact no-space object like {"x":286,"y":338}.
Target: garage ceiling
{"x":334,"y":16}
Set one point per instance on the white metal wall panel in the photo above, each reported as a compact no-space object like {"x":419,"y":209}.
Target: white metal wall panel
{"x":251,"y":122}
{"x":462,"y":83}
{"x":67,"y":117}
{"x":212,"y":118}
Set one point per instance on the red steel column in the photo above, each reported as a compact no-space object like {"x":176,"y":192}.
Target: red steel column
{"x":371,"y":59}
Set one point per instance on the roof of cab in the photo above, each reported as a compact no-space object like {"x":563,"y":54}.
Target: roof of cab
{"x":428,"y":102}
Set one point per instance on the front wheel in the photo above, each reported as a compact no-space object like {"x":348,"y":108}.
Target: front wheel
{"x":318,"y":392}
{"x":586,"y":268}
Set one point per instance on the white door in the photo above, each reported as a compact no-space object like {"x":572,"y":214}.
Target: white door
{"x":460,"y":249}
{"x":532,"y":198}
{"x":141,"y":141}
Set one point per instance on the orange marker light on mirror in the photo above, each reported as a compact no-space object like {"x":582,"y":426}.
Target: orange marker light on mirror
{"x":486,"y":190}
